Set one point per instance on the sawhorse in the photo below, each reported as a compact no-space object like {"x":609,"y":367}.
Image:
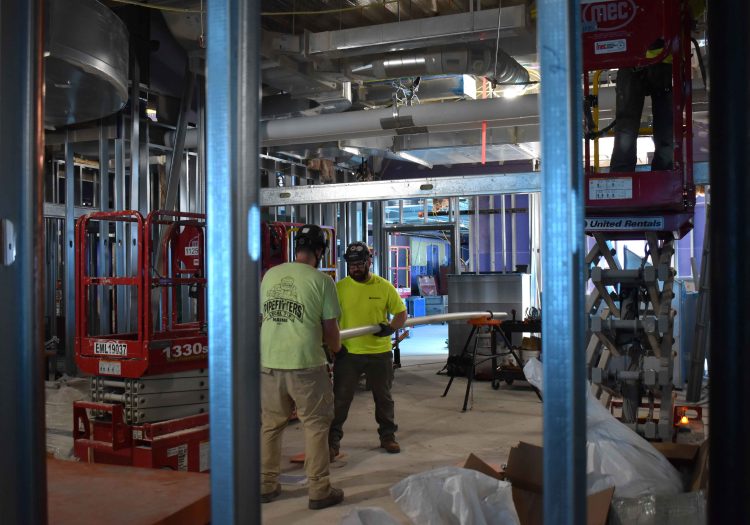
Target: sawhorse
{"x":470,"y":357}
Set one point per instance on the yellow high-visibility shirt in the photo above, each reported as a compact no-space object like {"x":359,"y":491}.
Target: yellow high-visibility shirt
{"x":364,"y":304}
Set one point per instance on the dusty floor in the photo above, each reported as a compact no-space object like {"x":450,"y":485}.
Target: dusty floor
{"x":433,"y":432}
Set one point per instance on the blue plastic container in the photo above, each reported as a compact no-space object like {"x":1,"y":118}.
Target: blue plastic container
{"x":415,"y":306}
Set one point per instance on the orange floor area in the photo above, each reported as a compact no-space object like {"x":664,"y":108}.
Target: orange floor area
{"x":83,"y":493}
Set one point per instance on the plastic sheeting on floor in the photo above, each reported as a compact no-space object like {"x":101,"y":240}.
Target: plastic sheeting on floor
{"x":455,"y":496}
{"x":368,"y":516}
{"x":615,"y":455}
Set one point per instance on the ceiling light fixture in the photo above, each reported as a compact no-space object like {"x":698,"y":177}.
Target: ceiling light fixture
{"x":512,"y":91}
{"x":352,"y":150}
{"x":411,"y":158}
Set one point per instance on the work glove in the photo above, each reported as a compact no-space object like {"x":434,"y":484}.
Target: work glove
{"x":341,"y":353}
{"x":385,"y":330}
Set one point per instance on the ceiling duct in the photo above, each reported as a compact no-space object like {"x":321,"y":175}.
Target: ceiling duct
{"x":403,"y":120}
{"x":186,"y":27}
{"x":457,"y":61}
{"x":86,"y":65}
{"x":431,"y":89}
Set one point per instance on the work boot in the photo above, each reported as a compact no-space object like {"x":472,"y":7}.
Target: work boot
{"x":390,"y":446}
{"x":334,"y":497}
{"x":268,"y":497}
{"x":333,"y":451}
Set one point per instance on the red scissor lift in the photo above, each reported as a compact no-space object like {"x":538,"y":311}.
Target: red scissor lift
{"x":618,"y":34}
{"x":278,"y":245}
{"x":629,"y":354}
{"x":149,"y":363}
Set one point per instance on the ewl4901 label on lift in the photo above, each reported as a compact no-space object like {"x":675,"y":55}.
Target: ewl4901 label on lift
{"x":624,"y":223}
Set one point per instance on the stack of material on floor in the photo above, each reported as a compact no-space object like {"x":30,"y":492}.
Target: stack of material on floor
{"x":524,"y":472}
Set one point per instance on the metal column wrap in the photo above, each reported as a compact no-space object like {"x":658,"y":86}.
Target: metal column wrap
{"x":23,"y":485}
{"x":729,"y":483}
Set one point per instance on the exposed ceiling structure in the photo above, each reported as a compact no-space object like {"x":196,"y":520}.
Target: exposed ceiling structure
{"x":372,"y":82}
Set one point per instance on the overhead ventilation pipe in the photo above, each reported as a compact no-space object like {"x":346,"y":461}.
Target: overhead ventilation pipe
{"x":397,"y":120}
{"x":86,"y":64}
{"x":403,"y":120}
{"x":457,"y":61}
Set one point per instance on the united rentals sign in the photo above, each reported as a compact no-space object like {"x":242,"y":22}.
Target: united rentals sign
{"x":624,"y":223}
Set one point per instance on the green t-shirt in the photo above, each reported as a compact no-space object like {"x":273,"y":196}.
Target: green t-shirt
{"x":295,"y":299}
{"x":366,"y":304}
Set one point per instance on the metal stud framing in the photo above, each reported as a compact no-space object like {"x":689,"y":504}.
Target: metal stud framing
{"x":23,"y":491}
{"x":562,"y":259}
{"x":232,"y":113}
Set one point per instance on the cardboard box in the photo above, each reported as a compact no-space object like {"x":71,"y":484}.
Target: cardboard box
{"x":691,"y":460}
{"x":474,"y":463}
{"x":524,"y":472}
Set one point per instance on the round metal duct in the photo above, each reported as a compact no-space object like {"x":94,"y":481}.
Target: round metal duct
{"x":86,"y":67}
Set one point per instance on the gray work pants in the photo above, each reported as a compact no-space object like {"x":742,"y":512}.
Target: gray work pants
{"x":378,"y":368}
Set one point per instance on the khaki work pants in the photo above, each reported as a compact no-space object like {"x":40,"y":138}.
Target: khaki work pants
{"x":310,"y":390}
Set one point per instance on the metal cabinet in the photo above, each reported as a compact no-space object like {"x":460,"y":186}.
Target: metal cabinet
{"x":497,"y":292}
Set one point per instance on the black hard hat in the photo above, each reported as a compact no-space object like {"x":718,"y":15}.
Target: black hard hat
{"x":310,"y":237}
{"x":357,"y":252}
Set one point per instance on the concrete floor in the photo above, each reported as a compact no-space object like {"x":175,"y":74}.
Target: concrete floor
{"x":433,"y":432}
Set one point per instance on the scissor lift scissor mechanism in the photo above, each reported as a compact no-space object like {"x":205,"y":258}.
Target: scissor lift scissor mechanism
{"x":629,"y":354}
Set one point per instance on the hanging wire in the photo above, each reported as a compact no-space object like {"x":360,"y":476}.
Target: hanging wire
{"x":202,"y":37}
{"x":497,"y":41}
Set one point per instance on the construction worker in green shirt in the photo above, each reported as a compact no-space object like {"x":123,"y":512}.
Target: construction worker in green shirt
{"x":300,"y":310}
{"x":366,"y":299}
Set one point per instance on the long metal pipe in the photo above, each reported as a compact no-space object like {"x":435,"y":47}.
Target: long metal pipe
{"x":175,"y":161}
{"x":456,"y":238}
{"x":69,"y":254}
{"x":103,"y":250}
{"x":729,"y":483}
{"x":503,"y":224}
{"x":491,"y":220}
{"x":476,"y":237}
{"x":232,"y":111}
{"x":513,"y":241}
{"x":23,"y":484}
{"x":427,"y":319}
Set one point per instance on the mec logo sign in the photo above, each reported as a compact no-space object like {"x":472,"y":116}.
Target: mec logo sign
{"x":608,"y":15}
